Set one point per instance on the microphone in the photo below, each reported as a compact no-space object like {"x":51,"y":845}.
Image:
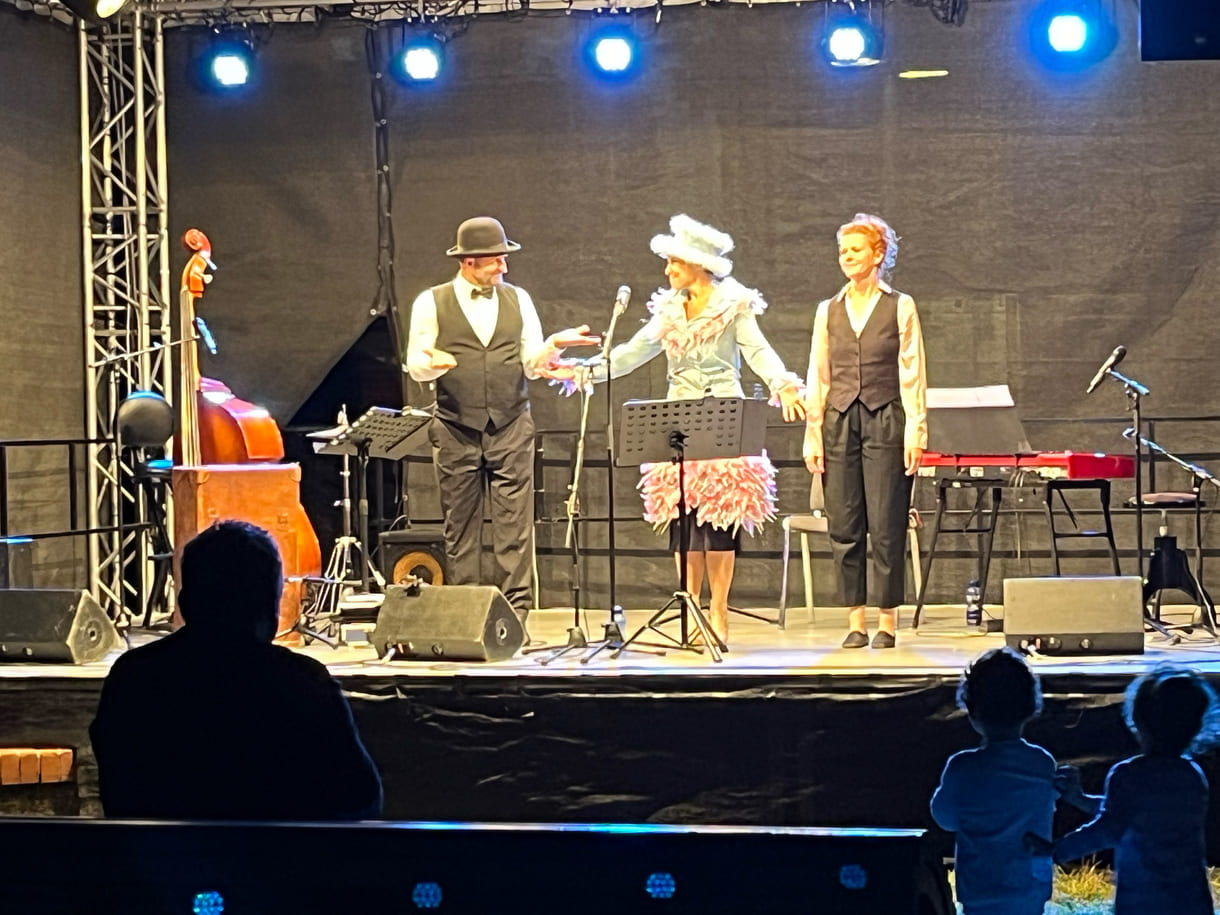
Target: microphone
{"x":1120,"y":353}
{"x":205,"y":335}
{"x":621,"y":299}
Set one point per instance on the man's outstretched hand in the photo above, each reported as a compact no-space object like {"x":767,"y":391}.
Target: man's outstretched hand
{"x":575,"y":336}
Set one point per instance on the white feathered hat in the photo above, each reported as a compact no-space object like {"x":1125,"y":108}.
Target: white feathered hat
{"x":696,"y":244}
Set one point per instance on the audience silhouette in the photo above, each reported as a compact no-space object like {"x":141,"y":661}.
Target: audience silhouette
{"x":1155,"y":803}
{"x":216,"y":722}
{"x":991,"y":796}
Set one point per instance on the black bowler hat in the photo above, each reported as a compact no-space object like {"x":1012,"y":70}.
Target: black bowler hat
{"x":481,"y":237}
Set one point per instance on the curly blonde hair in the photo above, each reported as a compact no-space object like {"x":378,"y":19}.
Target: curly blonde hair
{"x":881,"y":237}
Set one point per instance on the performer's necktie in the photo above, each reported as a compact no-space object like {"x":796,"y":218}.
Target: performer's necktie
{"x":482,"y":292}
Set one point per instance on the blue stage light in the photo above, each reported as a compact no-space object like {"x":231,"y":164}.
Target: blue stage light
{"x":1067,"y":32}
{"x":427,"y":895}
{"x":420,"y":60}
{"x":850,"y":39}
{"x":209,"y":903}
{"x":1071,"y":34}
{"x":612,"y":51}
{"x":226,"y":65}
{"x":613,"y":55}
{"x":661,"y":886}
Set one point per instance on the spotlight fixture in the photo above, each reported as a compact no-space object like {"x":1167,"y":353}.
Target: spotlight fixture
{"x":227,"y":64}
{"x":94,"y":10}
{"x":851,"y":35}
{"x":1071,"y":34}
{"x":420,"y":61}
{"x":612,"y":51}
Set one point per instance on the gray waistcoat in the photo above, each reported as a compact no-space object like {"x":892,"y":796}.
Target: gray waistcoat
{"x":864,"y":367}
{"x":488,"y":385}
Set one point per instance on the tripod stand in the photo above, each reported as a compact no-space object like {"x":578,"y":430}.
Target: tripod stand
{"x":383,"y":433}
{"x":713,"y":427}
{"x":1168,"y":568}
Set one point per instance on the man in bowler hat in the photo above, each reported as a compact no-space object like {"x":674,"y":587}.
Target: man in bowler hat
{"x":478,"y":340}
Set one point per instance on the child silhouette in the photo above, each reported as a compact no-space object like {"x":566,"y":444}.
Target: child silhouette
{"x":991,"y":796}
{"x":1155,"y":804}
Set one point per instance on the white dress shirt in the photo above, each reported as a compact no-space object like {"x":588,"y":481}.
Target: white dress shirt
{"x":912,"y":371}
{"x":482,"y":313}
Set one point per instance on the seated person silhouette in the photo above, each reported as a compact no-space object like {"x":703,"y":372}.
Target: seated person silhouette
{"x":214,"y":722}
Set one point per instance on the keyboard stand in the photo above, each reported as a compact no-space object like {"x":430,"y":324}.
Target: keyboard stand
{"x":981,"y":522}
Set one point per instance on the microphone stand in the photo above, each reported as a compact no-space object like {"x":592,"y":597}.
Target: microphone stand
{"x":1135,"y":391}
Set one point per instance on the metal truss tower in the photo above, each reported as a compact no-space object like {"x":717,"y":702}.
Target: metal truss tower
{"x":127,"y":284}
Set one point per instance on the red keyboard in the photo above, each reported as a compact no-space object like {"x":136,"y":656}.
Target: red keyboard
{"x":1050,"y":465}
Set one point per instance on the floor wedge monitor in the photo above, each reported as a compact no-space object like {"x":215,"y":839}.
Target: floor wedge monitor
{"x":447,"y":622}
{"x":57,"y":625}
{"x":1065,"y":615}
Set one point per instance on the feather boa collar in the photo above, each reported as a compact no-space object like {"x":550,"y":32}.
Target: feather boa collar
{"x":728,"y":300}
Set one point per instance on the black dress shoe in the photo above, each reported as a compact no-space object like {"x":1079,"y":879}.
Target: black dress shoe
{"x":856,"y":639}
{"x":883,"y":640}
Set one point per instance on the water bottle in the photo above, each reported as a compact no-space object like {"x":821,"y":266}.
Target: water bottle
{"x":974,"y":604}
{"x":759,"y":394}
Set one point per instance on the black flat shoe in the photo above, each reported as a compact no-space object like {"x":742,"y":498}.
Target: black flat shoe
{"x":856,"y":640}
{"x":883,"y":640}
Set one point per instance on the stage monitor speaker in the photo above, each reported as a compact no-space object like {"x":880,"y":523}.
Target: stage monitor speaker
{"x":54,"y":624}
{"x":1179,"y":30}
{"x":447,"y":622}
{"x":416,"y":551}
{"x":1062,"y":615}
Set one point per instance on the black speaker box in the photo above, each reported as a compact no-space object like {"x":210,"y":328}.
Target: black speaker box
{"x":447,"y":622}
{"x":1094,"y":615}
{"x":1179,"y":30}
{"x":54,"y":624}
{"x":416,"y":551}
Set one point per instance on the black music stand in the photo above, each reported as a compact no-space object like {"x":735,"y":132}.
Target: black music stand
{"x":654,"y":431}
{"x":382,"y":432}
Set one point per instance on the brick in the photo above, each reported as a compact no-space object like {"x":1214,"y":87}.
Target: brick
{"x":28,"y":767}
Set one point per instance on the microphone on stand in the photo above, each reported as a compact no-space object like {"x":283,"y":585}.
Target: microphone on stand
{"x":621,"y":299}
{"x":1120,"y":353}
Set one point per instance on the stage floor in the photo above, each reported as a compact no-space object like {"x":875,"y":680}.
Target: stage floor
{"x":940,"y":646}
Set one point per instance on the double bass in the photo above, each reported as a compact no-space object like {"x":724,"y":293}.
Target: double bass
{"x":228,"y":453}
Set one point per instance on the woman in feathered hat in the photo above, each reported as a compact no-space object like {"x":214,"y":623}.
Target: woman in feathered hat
{"x":704,"y":323}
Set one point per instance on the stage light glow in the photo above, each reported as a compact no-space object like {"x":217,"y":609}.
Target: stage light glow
{"x":613,"y":54}
{"x":1070,"y":35}
{"x":661,"y":885}
{"x":427,"y":895}
{"x":611,"y":50}
{"x":226,"y":65}
{"x":851,"y":39}
{"x":230,"y":69}
{"x":846,"y":44}
{"x":208,"y":903}
{"x":420,"y":61}
{"x":1067,"y":33}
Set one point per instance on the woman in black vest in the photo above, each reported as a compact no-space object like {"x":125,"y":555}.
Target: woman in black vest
{"x":867,"y":423}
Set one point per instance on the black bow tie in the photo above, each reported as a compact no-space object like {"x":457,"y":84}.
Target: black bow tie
{"x":482,"y":292}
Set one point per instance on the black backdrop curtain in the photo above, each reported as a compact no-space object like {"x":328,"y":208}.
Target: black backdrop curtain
{"x":1045,"y":217}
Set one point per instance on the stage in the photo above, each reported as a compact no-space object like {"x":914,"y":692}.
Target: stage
{"x":788,"y":730}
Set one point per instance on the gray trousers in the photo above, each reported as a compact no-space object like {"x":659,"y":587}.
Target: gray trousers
{"x":470,"y":463}
{"x":868,"y":496}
